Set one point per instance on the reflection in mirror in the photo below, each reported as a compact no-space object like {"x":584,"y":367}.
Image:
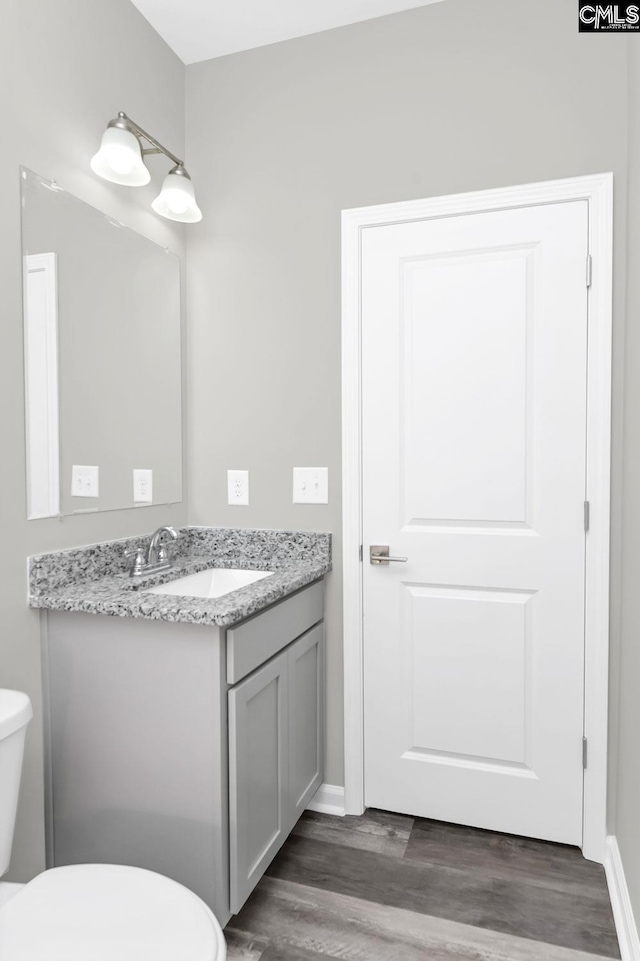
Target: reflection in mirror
{"x":41,"y":384}
{"x":102,"y":359}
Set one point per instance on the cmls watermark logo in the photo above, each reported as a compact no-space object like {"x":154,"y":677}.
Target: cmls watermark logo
{"x":608,"y":17}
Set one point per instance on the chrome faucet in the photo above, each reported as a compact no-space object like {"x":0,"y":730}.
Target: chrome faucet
{"x":157,"y":553}
{"x":155,"y":559}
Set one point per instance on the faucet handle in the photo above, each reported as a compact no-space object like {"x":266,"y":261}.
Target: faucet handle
{"x":138,"y":565}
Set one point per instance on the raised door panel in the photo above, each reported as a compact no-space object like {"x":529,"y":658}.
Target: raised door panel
{"x":258,"y":775}
{"x":464,"y":420}
{"x":306,"y":719}
{"x":467,"y":658}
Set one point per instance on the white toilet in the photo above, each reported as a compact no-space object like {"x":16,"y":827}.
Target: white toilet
{"x":90,"y":912}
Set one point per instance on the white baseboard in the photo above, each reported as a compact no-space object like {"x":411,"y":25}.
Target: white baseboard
{"x":621,"y":903}
{"x":329,"y":799}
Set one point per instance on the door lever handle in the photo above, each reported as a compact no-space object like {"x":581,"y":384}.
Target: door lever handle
{"x":379,"y":554}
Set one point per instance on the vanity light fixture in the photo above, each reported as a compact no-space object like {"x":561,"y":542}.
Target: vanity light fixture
{"x":120,"y":160}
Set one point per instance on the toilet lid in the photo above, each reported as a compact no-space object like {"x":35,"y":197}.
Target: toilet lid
{"x":107,"y":912}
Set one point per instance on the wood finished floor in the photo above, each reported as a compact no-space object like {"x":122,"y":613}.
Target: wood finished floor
{"x":384,"y":887}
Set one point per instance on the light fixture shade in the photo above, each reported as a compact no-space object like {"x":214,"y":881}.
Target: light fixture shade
{"x":120,"y":158}
{"x":177,"y":199}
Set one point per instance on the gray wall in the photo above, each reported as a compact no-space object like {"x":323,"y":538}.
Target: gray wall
{"x":451,"y":97}
{"x":66,"y":68}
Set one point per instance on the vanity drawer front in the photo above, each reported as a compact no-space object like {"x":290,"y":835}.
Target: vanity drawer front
{"x":254,"y":641}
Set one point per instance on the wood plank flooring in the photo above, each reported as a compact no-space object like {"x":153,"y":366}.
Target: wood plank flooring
{"x":384,"y":887}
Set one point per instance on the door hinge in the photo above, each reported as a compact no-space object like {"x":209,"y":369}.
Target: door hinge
{"x":361,"y":552}
{"x":584,"y":752}
{"x":587,"y":515}
{"x":589,"y":269}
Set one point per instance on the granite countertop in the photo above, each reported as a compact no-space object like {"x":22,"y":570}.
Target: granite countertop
{"x":94,"y":579}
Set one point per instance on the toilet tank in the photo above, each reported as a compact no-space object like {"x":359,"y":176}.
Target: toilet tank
{"x":15,"y":714}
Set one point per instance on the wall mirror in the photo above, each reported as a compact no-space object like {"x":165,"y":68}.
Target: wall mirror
{"x":102,"y":359}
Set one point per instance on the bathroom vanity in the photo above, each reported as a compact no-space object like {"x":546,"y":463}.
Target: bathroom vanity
{"x":184,"y":735}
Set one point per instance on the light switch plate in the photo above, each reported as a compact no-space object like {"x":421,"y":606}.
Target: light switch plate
{"x":310,"y":485}
{"x":142,"y":485}
{"x":85,"y":481}
{"x":238,"y":487}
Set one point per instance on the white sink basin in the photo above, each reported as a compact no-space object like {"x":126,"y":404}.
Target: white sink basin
{"x":215,"y":582}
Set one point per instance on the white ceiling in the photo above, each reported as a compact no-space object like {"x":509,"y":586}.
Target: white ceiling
{"x":202,"y":29}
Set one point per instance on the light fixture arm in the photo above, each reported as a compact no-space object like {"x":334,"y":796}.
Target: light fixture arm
{"x":126,"y":123}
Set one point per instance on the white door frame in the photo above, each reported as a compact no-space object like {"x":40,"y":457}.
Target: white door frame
{"x":597,"y":190}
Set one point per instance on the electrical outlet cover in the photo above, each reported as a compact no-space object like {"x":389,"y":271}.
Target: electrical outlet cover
{"x":142,"y":486}
{"x":238,"y":487}
{"x":310,"y":485}
{"x":85,"y":481}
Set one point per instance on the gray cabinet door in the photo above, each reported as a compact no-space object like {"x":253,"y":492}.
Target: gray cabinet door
{"x":306,"y":719}
{"x":258,"y":775}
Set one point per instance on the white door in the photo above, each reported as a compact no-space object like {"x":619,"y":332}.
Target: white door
{"x":474,"y":419}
